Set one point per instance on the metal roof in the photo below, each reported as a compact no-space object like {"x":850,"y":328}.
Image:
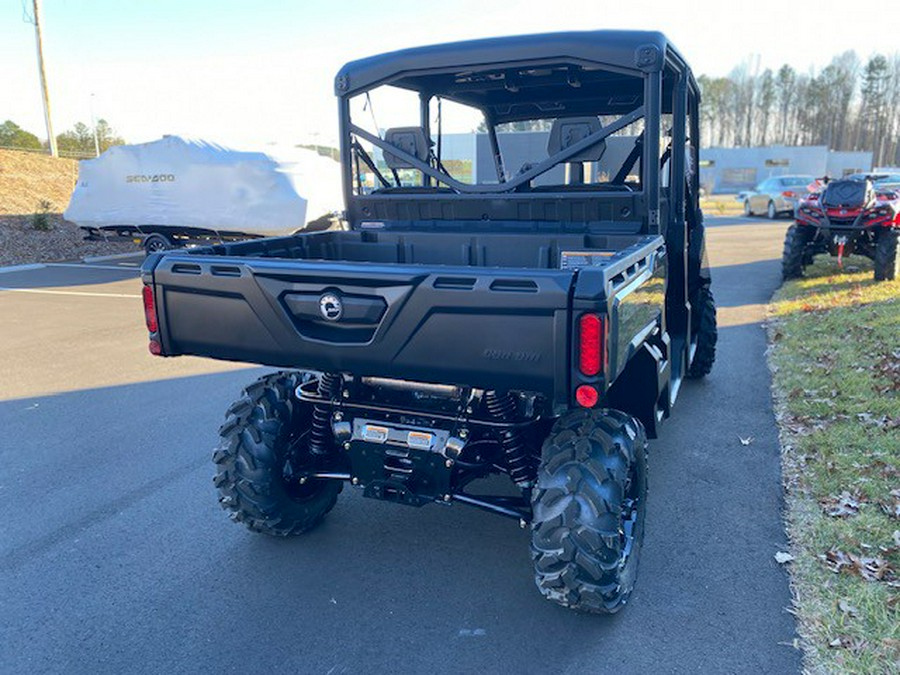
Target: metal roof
{"x":418,"y":68}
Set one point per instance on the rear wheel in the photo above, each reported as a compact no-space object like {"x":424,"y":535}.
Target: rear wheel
{"x":707,"y":332}
{"x":747,"y":210}
{"x":262,"y":451}
{"x":887,"y":261}
{"x":794,"y":253}
{"x":589,"y":505}
{"x":771,"y":212}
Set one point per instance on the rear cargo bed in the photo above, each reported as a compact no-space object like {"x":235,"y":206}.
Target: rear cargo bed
{"x":486,"y":310}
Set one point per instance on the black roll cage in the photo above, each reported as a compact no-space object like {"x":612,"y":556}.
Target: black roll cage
{"x":508,"y":185}
{"x":660,"y":67}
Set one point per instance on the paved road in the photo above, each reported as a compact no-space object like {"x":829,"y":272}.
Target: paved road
{"x":114,"y":556}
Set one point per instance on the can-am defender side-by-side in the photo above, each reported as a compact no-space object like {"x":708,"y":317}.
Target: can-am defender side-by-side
{"x":530,"y":313}
{"x":847,"y":216}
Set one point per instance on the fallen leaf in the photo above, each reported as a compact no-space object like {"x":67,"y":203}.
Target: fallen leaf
{"x":869,"y":568}
{"x":842,"y":506}
{"x":783,"y":557}
{"x":847,"y":608}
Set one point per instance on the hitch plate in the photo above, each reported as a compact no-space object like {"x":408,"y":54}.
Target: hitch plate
{"x":400,"y":464}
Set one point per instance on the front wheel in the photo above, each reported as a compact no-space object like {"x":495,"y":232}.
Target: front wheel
{"x":705,"y":327}
{"x":589,"y":505}
{"x":887,"y":260}
{"x":262,"y":450}
{"x":747,"y":210}
{"x":794,"y":253}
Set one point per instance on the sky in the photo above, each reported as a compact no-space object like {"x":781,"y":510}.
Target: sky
{"x":250,"y":73}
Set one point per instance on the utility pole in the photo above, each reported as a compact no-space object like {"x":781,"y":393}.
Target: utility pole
{"x":40,"y":54}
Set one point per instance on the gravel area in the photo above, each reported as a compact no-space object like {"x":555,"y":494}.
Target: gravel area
{"x":20,"y":243}
{"x":30,"y":183}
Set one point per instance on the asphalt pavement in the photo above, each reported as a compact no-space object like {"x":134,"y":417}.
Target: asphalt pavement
{"x":116,"y":558}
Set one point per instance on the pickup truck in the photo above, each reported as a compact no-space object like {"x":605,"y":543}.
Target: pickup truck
{"x":534,"y":322}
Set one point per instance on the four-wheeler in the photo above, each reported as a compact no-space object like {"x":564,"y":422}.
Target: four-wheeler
{"x":847,"y":216}
{"x":533,"y":319}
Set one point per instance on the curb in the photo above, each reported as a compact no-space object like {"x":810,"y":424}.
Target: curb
{"x":104,"y":258}
{"x":22,"y":268}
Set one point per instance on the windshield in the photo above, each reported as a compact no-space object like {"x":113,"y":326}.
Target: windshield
{"x":401,"y":141}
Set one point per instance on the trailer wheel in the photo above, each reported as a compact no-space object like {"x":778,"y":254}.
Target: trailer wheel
{"x":793,"y":253}
{"x":157,"y":243}
{"x":589,"y":505}
{"x":887,"y":261}
{"x":262,"y":448}
{"x":704,"y":326}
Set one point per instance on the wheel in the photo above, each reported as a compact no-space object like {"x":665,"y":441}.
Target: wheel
{"x":747,"y":210}
{"x":887,"y":262}
{"x":589,"y":505}
{"x":703,"y":320}
{"x":771,"y":213}
{"x":262,"y":445}
{"x":156,"y":243}
{"x":794,"y":253}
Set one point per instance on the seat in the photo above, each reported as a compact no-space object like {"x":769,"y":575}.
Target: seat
{"x":411,"y":140}
{"x":567,"y":131}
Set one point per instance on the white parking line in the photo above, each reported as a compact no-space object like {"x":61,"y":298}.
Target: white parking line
{"x":85,"y":266}
{"x":83,"y":294}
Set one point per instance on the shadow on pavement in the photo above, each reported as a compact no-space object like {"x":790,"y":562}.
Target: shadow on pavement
{"x":115,"y":553}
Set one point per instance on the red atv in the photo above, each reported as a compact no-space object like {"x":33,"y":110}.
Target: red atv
{"x":846,"y":216}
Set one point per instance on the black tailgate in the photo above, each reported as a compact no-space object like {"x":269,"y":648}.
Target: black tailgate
{"x":497,"y":328}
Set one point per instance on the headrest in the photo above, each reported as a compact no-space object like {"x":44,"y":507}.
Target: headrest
{"x":567,"y":131}
{"x":411,"y":140}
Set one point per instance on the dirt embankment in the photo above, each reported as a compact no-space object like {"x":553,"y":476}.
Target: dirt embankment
{"x":34,"y":192}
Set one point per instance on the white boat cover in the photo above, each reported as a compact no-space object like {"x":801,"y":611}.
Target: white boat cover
{"x":184,"y":182}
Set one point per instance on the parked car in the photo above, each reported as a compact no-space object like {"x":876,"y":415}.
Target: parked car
{"x":881,"y":181}
{"x":776,"y":196}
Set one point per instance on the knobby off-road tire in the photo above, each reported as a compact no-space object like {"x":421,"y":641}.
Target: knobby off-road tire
{"x":707,"y":332}
{"x":263,"y":436}
{"x":792,"y":255}
{"x":589,"y":505}
{"x":887,"y":260}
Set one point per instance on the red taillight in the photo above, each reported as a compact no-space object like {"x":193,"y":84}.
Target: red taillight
{"x":788,"y":194}
{"x":150,"y":310}
{"x":591,"y":344}
{"x":587,"y":396}
{"x":155,"y":348}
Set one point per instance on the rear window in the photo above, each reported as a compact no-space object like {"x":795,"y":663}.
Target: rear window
{"x":796,"y":181}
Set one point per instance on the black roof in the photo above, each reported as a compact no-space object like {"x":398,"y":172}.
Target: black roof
{"x":419,"y":68}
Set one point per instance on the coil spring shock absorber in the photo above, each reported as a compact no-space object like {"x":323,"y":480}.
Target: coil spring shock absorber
{"x":320,"y":430}
{"x":502,"y":406}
